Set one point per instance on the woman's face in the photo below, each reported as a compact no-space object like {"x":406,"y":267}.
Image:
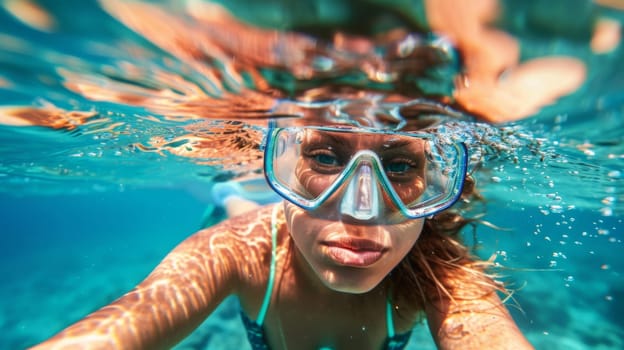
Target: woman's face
{"x":346,"y":251}
{"x":347,"y":256}
{"x":326,"y":155}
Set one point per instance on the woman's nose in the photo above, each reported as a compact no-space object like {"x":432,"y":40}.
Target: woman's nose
{"x":361,"y":199}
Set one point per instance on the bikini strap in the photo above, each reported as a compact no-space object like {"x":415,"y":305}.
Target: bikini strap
{"x":269,"y":290}
{"x":389,"y":321}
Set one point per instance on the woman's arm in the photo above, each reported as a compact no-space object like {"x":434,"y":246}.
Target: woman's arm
{"x":482,"y":323}
{"x":179,"y":294}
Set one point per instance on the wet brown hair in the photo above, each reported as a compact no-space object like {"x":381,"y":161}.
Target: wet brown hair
{"x":440,"y":266}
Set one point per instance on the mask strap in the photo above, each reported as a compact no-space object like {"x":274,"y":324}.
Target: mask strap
{"x":267,"y":295}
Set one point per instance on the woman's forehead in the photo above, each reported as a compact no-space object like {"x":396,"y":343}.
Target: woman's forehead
{"x":361,"y":140}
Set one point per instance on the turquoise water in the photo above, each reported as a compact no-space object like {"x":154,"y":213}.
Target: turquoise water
{"x":106,"y":163}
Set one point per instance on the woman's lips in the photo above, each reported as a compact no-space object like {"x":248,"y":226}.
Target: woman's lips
{"x":354,"y":252}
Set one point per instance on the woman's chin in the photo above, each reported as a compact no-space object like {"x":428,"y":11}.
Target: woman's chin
{"x":350,"y":284}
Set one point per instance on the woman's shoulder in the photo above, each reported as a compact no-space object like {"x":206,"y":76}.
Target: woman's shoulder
{"x":251,"y":227}
{"x":238,"y":247}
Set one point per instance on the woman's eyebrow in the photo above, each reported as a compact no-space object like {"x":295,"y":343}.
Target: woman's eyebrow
{"x":399,"y":143}
{"x":339,"y":140}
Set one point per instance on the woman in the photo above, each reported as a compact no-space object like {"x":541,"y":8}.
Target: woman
{"x":362,"y":248}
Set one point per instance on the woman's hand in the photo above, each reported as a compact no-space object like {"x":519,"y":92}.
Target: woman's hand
{"x":481,"y":323}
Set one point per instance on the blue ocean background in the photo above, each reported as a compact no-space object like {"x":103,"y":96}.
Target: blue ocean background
{"x":84,"y":216}
{"x":67,"y":255}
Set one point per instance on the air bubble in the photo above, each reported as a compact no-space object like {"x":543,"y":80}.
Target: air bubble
{"x":569,"y":279}
{"x":606,"y":211}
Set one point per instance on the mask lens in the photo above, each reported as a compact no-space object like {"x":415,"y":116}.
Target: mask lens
{"x":416,"y":173}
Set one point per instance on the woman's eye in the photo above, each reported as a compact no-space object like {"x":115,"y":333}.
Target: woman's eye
{"x":398,"y":167}
{"x":323,"y":161}
{"x":326,"y":159}
{"x":403,"y":170}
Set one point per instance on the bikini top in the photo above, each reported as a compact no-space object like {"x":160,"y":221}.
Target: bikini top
{"x":255,"y":332}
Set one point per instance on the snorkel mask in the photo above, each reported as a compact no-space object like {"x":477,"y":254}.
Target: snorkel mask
{"x":366,"y":172}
